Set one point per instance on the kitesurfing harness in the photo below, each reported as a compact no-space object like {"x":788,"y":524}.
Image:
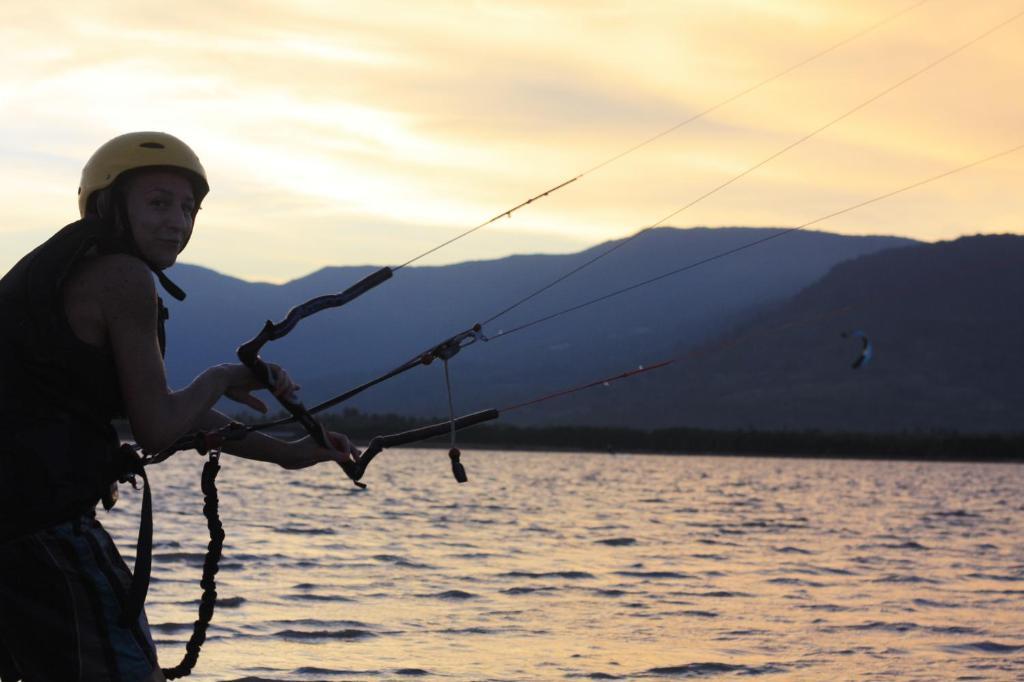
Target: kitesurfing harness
{"x":58,"y":398}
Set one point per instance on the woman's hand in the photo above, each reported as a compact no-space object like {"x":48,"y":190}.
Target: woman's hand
{"x":307,"y":452}
{"x":240,"y":381}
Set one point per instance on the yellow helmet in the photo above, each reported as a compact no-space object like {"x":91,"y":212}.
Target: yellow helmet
{"x":139,"y":150}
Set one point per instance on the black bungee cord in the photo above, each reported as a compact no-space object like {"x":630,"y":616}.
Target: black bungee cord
{"x":211,"y":563}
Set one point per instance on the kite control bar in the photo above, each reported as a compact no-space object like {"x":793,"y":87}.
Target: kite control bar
{"x":204,"y":441}
{"x":249,"y":351}
{"x":381,"y":443}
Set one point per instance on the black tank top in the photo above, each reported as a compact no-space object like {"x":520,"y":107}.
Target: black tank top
{"x":58,"y":394}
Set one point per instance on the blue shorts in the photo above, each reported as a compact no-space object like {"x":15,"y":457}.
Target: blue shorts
{"x":61,"y":594}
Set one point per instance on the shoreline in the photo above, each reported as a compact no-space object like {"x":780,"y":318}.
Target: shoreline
{"x":918,"y":447}
{"x":468,"y":447}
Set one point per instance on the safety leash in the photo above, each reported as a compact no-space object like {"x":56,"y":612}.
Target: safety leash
{"x":210,"y":567}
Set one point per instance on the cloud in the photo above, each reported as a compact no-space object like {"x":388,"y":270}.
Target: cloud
{"x":377,"y":129}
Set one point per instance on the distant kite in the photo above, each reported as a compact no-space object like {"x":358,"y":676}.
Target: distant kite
{"x":865,"y":350}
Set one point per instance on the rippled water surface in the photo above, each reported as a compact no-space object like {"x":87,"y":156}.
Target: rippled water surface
{"x":592,"y":566}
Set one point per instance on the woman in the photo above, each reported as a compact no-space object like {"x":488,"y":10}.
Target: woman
{"x":82,"y":343}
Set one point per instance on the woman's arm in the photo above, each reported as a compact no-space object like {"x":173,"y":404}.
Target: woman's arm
{"x":128,"y":304}
{"x":296,"y":454}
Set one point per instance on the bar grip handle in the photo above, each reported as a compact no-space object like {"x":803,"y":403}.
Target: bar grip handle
{"x":381,"y":443}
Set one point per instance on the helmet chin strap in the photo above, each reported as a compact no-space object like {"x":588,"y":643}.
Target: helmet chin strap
{"x":121,"y":221}
{"x":170,"y":287}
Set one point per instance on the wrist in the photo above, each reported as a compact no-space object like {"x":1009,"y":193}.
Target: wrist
{"x":218,"y":377}
{"x":293,"y":454}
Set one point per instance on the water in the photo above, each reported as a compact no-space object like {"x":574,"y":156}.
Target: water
{"x":592,"y":566}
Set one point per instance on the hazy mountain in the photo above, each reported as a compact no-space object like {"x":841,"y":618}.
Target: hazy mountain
{"x":423,"y":305}
{"x":946,"y":322}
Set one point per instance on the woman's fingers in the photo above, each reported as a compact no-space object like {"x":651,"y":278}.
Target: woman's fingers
{"x":244,"y":380}
{"x":339,"y":450}
{"x":246,"y":398}
{"x":339,"y":442}
{"x":282,"y":384}
{"x":255,"y":403}
{"x":343,"y":445}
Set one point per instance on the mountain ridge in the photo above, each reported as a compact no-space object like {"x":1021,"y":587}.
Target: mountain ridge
{"x":947,"y":330}
{"x":423,"y":305}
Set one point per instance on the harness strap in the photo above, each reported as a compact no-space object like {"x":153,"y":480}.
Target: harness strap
{"x":131,"y":465}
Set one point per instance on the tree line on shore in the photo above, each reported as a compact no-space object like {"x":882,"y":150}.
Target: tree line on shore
{"x":932,"y":445}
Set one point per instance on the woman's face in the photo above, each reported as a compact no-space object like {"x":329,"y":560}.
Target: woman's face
{"x":160,"y":207}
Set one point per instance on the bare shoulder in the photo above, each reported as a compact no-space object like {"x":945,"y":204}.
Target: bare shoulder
{"x":120,"y":266}
{"x":121,"y":284}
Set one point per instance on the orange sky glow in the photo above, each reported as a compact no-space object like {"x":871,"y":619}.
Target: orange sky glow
{"x":346,"y":133}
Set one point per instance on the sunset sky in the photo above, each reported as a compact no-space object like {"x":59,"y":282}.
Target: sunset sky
{"x":365,"y":133}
